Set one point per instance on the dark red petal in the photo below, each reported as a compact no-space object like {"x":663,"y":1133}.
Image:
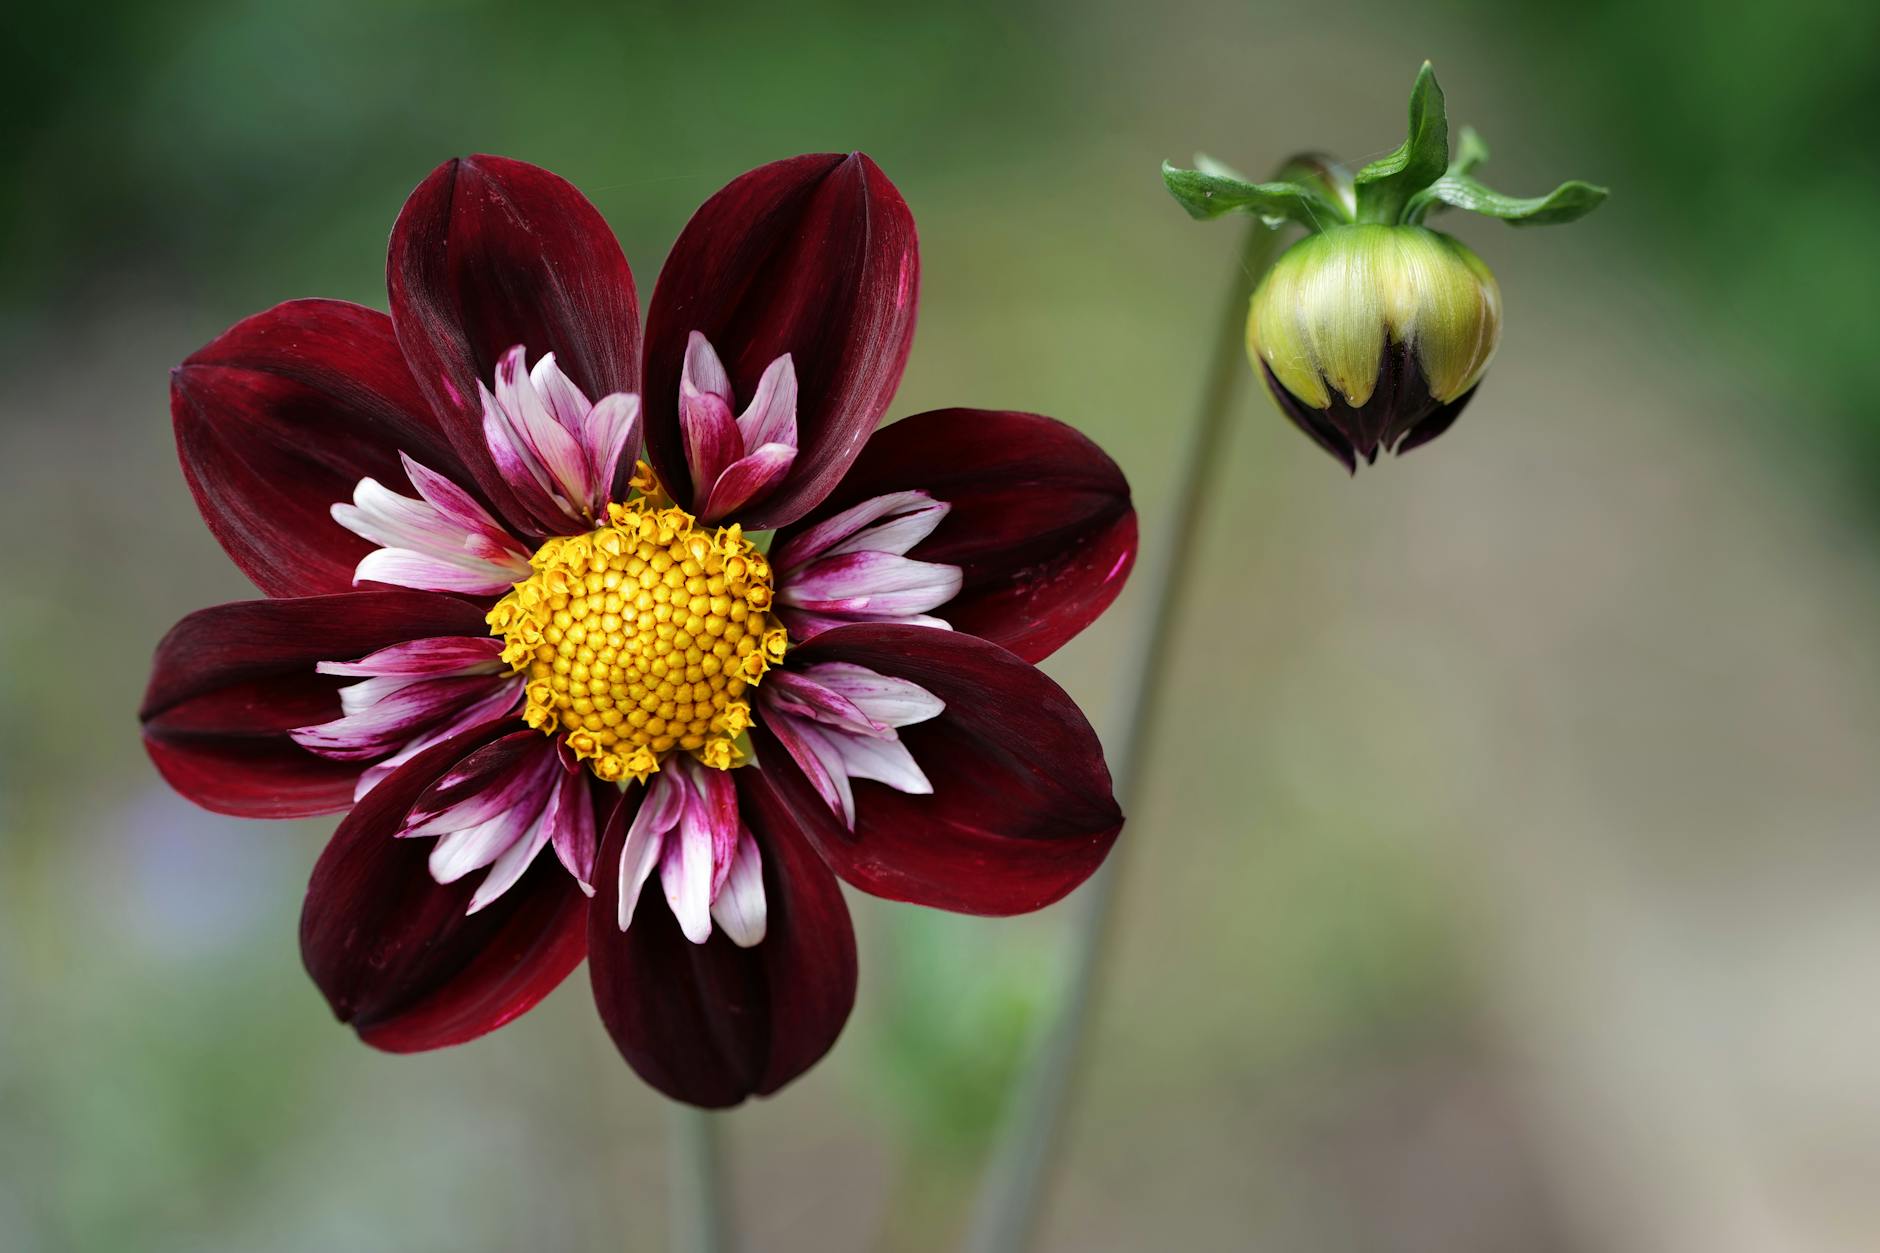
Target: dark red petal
{"x":712,"y":1023}
{"x":279,"y":418}
{"x":1041,"y":526}
{"x":1022,"y":810}
{"x":228,"y":684}
{"x":814,"y":256}
{"x":394,"y":951}
{"x":489,"y":253}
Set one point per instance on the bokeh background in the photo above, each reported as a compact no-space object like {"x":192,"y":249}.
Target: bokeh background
{"x":1508,"y":874}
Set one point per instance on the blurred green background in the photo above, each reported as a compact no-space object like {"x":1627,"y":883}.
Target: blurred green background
{"x":1507,"y":877}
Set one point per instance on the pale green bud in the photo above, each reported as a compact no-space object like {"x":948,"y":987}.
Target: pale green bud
{"x":1373,"y":335}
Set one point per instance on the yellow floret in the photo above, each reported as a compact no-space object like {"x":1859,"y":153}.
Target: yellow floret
{"x":641,"y":638}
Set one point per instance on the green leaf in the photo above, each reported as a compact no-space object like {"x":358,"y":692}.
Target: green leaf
{"x":1211,"y":192}
{"x":1386,"y":185}
{"x":1565,"y":203}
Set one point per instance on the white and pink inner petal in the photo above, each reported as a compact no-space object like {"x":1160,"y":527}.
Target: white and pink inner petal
{"x":840,"y":721}
{"x":410,"y":696}
{"x":854,"y":567}
{"x":735,"y":462}
{"x":496,"y":812}
{"x":688,"y":829}
{"x":441,"y":542}
{"x":557,"y":451}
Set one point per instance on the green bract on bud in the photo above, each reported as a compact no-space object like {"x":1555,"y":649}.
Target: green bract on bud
{"x":1373,"y":331}
{"x":1374,"y":336}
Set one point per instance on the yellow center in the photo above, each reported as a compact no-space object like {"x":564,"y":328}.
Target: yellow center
{"x":641,"y":637}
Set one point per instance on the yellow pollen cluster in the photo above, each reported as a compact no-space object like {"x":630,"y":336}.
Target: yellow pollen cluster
{"x":641,"y":637}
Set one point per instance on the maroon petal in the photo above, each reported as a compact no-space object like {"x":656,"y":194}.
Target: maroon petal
{"x":1021,"y":810}
{"x":1041,"y":524}
{"x":396,"y":953}
{"x":276,"y":421}
{"x":814,"y":256}
{"x":712,"y":1023}
{"x":230,"y":682}
{"x":489,"y":253}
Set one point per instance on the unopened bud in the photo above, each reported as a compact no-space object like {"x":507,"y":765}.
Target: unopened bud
{"x":1373,"y":336}
{"x":1373,"y":331}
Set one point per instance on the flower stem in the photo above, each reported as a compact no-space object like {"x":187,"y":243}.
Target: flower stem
{"x":698,"y":1219}
{"x":1017,"y":1180}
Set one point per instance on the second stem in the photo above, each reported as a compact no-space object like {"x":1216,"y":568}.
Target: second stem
{"x":1017,"y":1178}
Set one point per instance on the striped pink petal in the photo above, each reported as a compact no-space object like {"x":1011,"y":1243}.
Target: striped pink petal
{"x":818,"y":759}
{"x":685,"y":871}
{"x":770,"y":418}
{"x":896,"y":702}
{"x":482,"y":533}
{"x":885,"y":760}
{"x":892,"y":523}
{"x":876,"y":584}
{"x":838,"y":721}
{"x":448,"y":654}
{"x":611,"y":433}
{"x":496,"y":809}
{"x":564,"y":400}
{"x":411,"y":695}
{"x":805,"y":625}
{"x":802,"y":696}
{"x":853,"y":567}
{"x":711,"y":435}
{"x":441,"y":542}
{"x":687,"y":827}
{"x":658,"y":814}
{"x":553,"y":446}
{"x":515,"y":859}
{"x":747,"y":479}
{"x":569,"y":821}
{"x":734,"y":462}
{"x":501,"y":700}
{"x":401,"y":567}
{"x":390,"y":713}
{"x":740,"y":910}
{"x":557,"y":452}
{"x":703,"y":373}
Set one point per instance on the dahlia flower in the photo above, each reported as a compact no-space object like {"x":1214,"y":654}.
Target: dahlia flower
{"x":576,"y":701}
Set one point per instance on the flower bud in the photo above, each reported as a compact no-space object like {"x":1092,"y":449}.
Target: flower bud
{"x":1374,"y":336}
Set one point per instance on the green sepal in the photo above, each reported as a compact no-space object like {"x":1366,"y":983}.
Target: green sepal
{"x":1458,"y":189}
{"x":1386,"y":185}
{"x":1568,"y":202}
{"x":760,"y":540}
{"x":1213,"y":190}
{"x":1471,"y":151}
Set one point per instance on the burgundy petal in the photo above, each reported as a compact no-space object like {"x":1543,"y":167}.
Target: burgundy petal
{"x":395,"y":952}
{"x":230,"y":682}
{"x":712,"y":1023}
{"x":276,"y":421}
{"x":1041,"y":524}
{"x":489,"y":253}
{"x":814,"y":256}
{"x":1021,"y":812}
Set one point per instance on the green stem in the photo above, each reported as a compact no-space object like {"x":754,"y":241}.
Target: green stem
{"x":1017,"y":1179}
{"x":699,"y":1222}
